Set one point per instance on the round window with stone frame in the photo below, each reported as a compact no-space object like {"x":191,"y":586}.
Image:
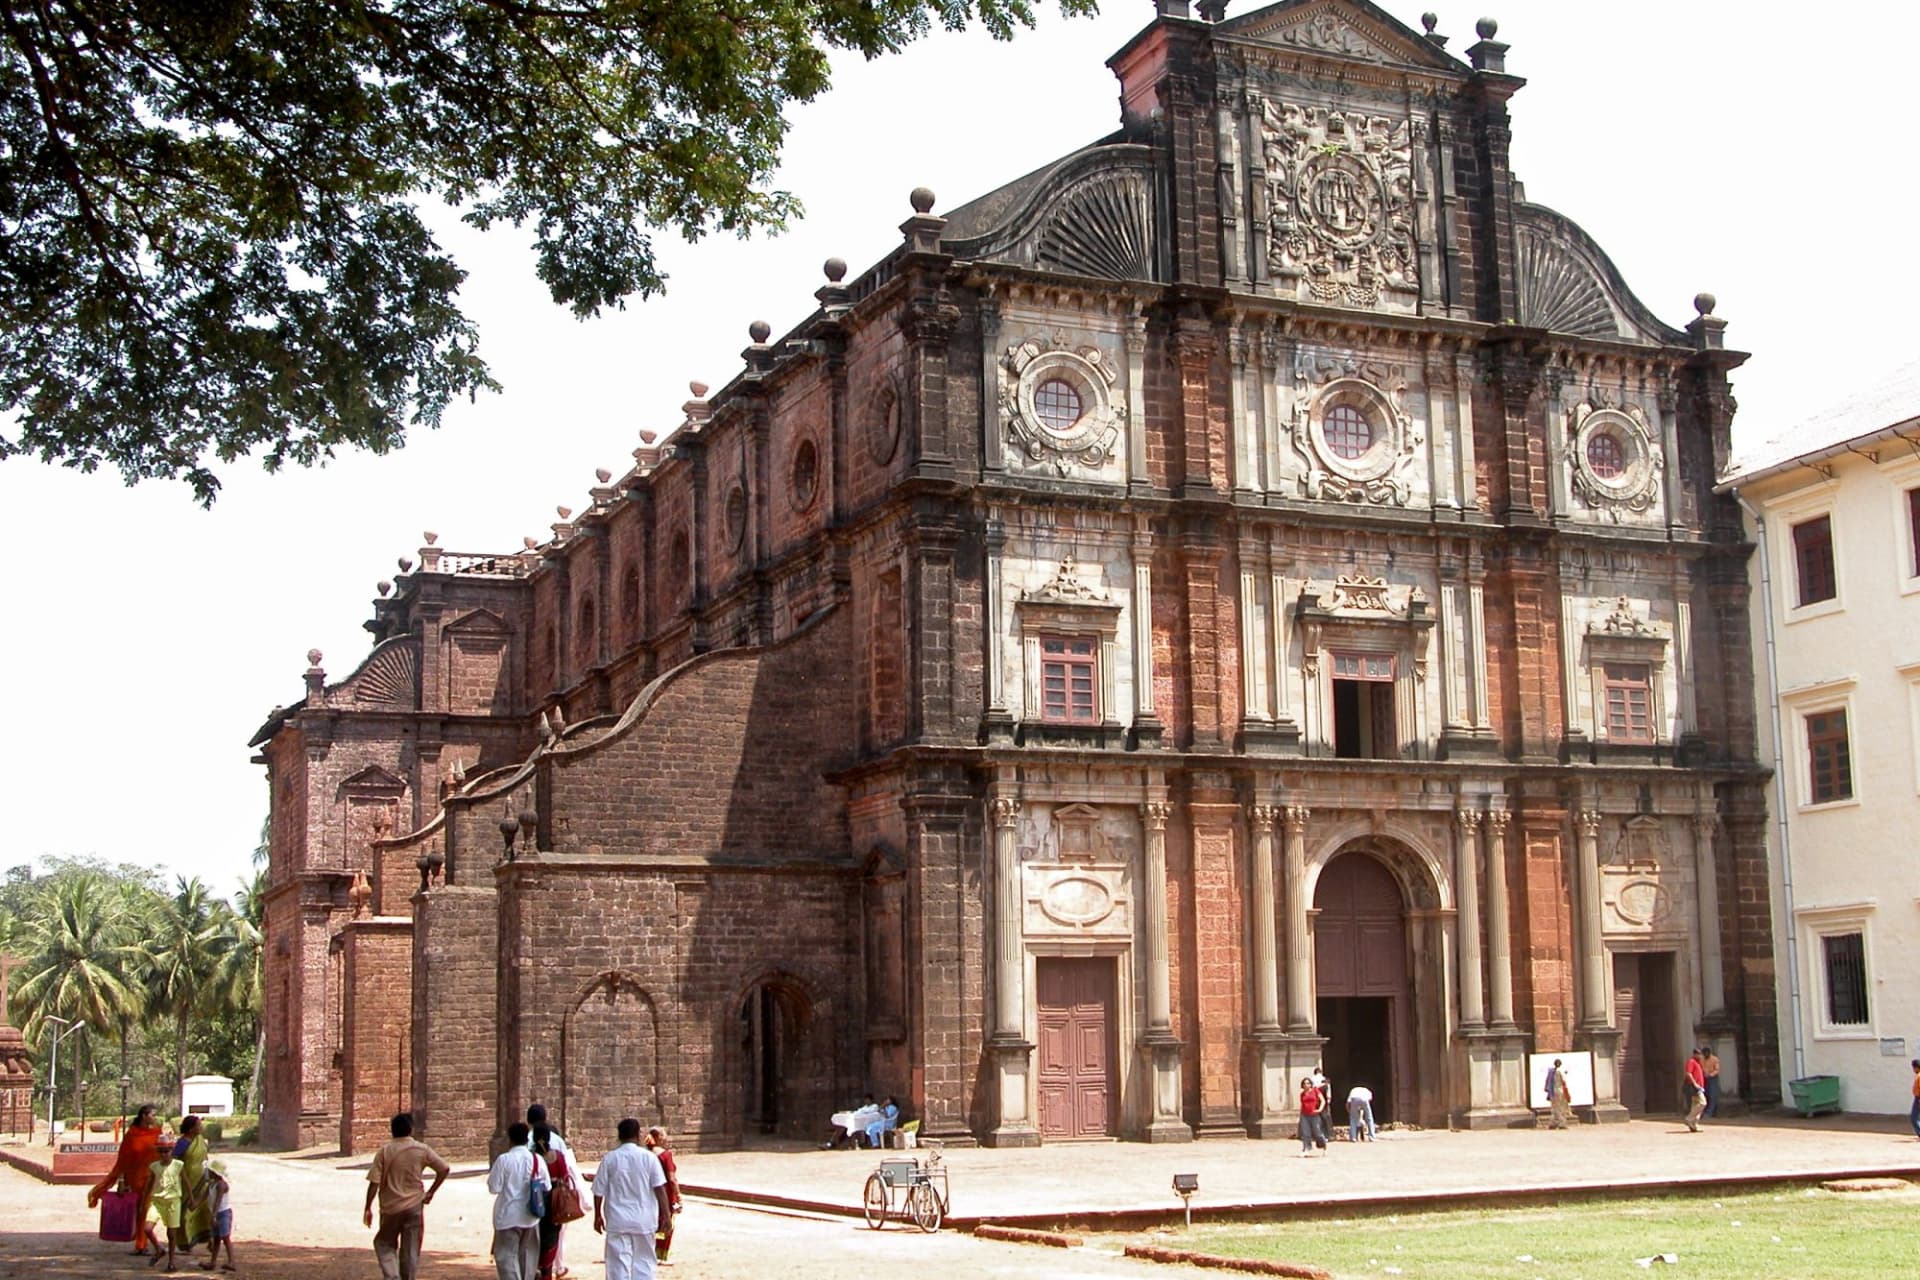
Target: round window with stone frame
{"x":1065,"y":397}
{"x":1614,"y":459}
{"x":883,"y":437}
{"x":1352,"y":430}
{"x":736,"y":515}
{"x":803,"y":478}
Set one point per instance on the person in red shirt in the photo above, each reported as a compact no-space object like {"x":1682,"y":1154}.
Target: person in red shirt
{"x":1311,"y":1102}
{"x":1696,"y":1091}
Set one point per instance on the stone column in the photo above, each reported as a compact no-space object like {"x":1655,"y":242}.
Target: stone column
{"x":1499,"y":925}
{"x":1012,"y":1053}
{"x":1593,"y":952}
{"x":1145,"y":724}
{"x":998,"y":721}
{"x":1159,"y":1041}
{"x":1707,"y":893}
{"x":1467,"y":900}
{"x":1266,"y":957}
{"x":1271,"y":1083}
{"x":1300,"y":1011}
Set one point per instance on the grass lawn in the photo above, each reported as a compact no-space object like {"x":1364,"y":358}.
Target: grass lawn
{"x":1792,"y":1233}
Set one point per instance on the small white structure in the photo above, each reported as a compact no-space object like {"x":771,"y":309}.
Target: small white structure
{"x":1835,"y":507}
{"x":206,"y":1096}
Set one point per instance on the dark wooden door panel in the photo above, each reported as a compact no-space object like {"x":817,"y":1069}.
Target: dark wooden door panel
{"x":1075,"y":1050}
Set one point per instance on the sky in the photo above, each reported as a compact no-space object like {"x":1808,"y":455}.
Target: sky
{"x":1753,"y":151}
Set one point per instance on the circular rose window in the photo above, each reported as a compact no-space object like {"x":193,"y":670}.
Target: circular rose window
{"x":1057,"y":404}
{"x":805,"y":477}
{"x":736,"y":516}
{"x":1606,"y":456}
{"x":1347,"y":432}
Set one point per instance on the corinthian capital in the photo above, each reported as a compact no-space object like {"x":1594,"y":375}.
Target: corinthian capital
{"x":1264,"y":816}
{"x":1497,"y":820}
{"x":1589,"y":823}
{"x":1469,"y":820}
{"x":1005,"y":810}
{"x":1295,"y":816}
{"x":1155,"y":814}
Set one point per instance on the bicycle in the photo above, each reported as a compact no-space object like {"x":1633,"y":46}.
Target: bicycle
{"x":920,"y":1186}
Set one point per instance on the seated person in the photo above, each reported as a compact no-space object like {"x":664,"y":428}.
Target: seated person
{"x":888,"y":1118}
{"x":849,"y":1125}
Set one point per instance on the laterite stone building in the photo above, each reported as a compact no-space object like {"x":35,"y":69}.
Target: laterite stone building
{"x":1247,"y":594}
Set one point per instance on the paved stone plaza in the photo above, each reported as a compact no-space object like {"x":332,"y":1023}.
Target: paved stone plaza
{"x":300,"y":1216}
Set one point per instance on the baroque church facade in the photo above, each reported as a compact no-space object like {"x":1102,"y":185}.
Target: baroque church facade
{"x":1246,"y":595}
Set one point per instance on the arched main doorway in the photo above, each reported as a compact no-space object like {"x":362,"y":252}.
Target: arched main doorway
{"x":783,"y":1084}
{"x":1364,"y":996}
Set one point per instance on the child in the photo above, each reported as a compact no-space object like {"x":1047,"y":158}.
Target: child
{"x":215,"y":1189}
{"x":166,"y":1202}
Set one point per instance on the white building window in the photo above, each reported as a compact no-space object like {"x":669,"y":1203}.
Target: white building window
{"x":1809,"y":556}
{"x":1821,"y":737}
{"x":1837,"y":950}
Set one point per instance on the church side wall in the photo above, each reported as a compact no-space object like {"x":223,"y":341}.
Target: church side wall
{"x":455,"y":959}
{"x":628,"y":987}
{"x":376,"y":1043}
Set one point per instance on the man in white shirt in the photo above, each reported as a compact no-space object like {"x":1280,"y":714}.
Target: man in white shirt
{"x":516,"y":1227}
{"x":629,"y":1203}
{"x":1360,"y":1114}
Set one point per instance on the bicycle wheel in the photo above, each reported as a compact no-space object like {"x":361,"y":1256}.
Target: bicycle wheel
{"x":924,"y":1204}
{"x":875,"y":1201}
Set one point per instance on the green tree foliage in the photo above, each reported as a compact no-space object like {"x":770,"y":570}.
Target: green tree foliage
{"x":180,"y":957}
{"x":77,"y":968}
{"x":105,"y":946}
{"x":212,"y":245}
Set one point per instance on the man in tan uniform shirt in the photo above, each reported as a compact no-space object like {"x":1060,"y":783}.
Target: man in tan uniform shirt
{"x":396,"y":1177}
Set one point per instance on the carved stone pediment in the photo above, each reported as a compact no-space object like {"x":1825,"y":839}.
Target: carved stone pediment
{"x":1355,"y":595}
{"x":374,"y":782}
{"x":1641,"y":846}
{"x":1626,"y":622}
{"x":1072,"y":585}
{"x":1340,"y":29}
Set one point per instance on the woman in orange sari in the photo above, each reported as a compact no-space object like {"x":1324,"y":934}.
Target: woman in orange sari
{"x":134,"y":1165}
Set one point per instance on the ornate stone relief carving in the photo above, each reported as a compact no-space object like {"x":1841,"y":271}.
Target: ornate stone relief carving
{"x":1351,"y":425}
{"x":1060,"y":404}
{"x":1615,"y":463}
{"x":1339,"y":195}
{"x":1625,"y":620}
{"x":1065,"y":587}
{"x":1329,"y":32}
{"x":1357,"y":593}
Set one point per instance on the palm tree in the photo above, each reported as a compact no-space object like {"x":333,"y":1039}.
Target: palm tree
{"x":77,"y":966}
{"x":179,"y":958}
{"x":237,"y":978}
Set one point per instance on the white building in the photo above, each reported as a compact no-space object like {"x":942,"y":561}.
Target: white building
{"x":206,"y":1096}
{"x":1834,"y":504}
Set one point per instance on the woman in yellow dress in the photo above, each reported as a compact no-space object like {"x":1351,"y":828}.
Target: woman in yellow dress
{"x":191,"y":1152}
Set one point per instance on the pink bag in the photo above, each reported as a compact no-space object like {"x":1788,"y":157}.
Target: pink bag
{"x":117,"y":1212}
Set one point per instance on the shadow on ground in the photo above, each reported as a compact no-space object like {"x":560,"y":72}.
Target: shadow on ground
{"x":41,"y":1254}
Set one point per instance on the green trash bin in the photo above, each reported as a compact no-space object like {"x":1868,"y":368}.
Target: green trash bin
{"x":1814,"y":1094}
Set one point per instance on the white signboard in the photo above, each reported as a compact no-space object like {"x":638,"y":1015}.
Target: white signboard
{"x":1577,"y":1067}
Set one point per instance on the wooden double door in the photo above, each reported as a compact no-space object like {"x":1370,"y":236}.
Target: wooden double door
{"x":1076,"y":1055}
{"x":1364,"y":986}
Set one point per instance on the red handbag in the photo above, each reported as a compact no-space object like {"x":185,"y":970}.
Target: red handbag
{"x":118,"y":1209}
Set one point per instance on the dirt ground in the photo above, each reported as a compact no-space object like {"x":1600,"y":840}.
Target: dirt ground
{"x":300,"y":1220}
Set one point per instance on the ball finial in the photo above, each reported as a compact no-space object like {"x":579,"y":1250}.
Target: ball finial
{"x":698,"y":388}
{"x":313,"y":657}
{"x":1704,"y":303}
{"x":759,"y":331}
{"x":602,"y":474}
{"x":1429,"y":21}
{"x":836,"y":269}
{"x":1487,"y":28}
{"x":922,"y":199}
